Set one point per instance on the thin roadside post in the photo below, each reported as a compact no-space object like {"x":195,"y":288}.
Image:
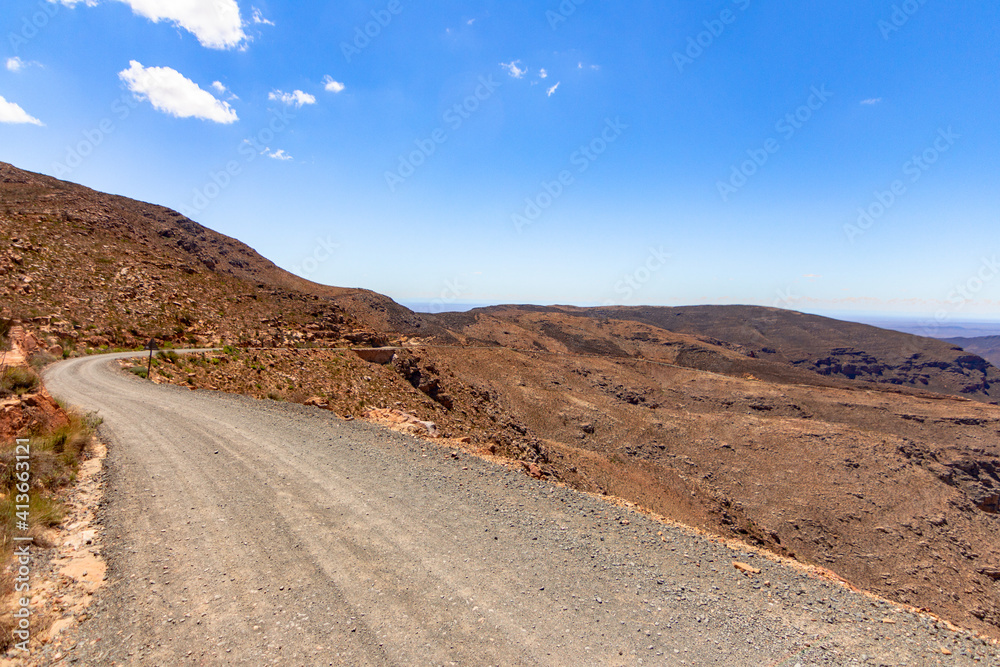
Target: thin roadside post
{"x":151,"y":345}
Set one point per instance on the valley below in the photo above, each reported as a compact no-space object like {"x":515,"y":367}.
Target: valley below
{"x":871,"y":454}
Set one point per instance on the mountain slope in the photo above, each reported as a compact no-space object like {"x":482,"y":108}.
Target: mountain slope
{"x":746,"y":422}
{"x":767,"y":342}
{"x":102,"y":270}
{"x":988,"y":347}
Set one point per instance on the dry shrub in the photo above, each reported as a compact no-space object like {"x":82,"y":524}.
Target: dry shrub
{"x":41,"y":360}
{"x":18,"y":380}
{"x":54,"y":460}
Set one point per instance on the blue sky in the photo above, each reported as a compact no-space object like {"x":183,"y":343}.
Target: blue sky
{"x":817,"y":156}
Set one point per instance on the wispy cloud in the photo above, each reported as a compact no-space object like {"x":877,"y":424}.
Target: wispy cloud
{"x":871,"y":101}
{"x":514,"y":69}
{"x":551,"y":91}
{"x":296,"y":98}
{"x":221,"y":89}
{"x":279,"y":154}
{"x":258,"y":18}
{"x":331,"y":85}
{"x":13,"y":113}
{"x":542,"y":74}
{"x":15,"y":64}
{"x":172,"y":93}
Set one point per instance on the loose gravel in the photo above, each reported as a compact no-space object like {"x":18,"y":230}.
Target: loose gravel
{"x":255,"y":532}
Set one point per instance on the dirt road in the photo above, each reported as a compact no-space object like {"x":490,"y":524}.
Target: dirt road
{"x":254,"y":532}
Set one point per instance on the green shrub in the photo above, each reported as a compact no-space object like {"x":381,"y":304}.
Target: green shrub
{"x":42,"y":510}
{"x":169,"y":355}
{"x":18,"y":380}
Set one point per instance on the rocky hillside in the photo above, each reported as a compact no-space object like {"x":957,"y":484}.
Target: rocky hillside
{"x":91,"y":270}
{"x":767,"y":342}
{"x":987,"y":347}
{"x":869,"y":452}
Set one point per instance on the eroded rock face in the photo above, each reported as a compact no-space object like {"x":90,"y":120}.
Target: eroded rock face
{"x":21,"y":415}
{"x":425,"y":378}
{"x":968,"y":373}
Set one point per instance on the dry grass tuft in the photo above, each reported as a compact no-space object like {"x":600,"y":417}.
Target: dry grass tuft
{"x":54,"y":460}
{"x":18,"y":380}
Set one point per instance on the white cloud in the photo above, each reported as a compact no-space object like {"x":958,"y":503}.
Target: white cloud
{"x":15,"y":64}
{"x":513,"y":68}
{"x":331,"y":85}
{"x":258,"y":18}
{"x":871,"y":101}
{"x":552,"y":90}
{"x":12,"y":113}
{"x":543,"y":74}
{"x":171,"y":92}
{"x":215,"y":23}
{"x":279,"y":154}
{"x":297,"y":98}
{"x":221,"y":89}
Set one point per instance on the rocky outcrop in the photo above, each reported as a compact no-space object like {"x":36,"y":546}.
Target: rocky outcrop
{"x":425,"y":378}
{"x":968,"y":373}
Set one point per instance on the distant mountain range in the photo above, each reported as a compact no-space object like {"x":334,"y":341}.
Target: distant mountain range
{"x":871,"y":452}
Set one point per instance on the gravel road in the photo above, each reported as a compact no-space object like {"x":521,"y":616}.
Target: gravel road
{"x":255,"y":532}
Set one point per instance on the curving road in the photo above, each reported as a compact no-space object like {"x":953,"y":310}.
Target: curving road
{"x":253,"y":532}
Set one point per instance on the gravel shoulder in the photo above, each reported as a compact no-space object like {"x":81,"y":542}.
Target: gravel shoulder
{"x":252,"y":532}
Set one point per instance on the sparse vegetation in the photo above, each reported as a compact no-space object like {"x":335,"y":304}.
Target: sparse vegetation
{"x":41,"y":360}
{"x":18,"y":381}
{"x":170,"y":356}
{"x":55,"y":458}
